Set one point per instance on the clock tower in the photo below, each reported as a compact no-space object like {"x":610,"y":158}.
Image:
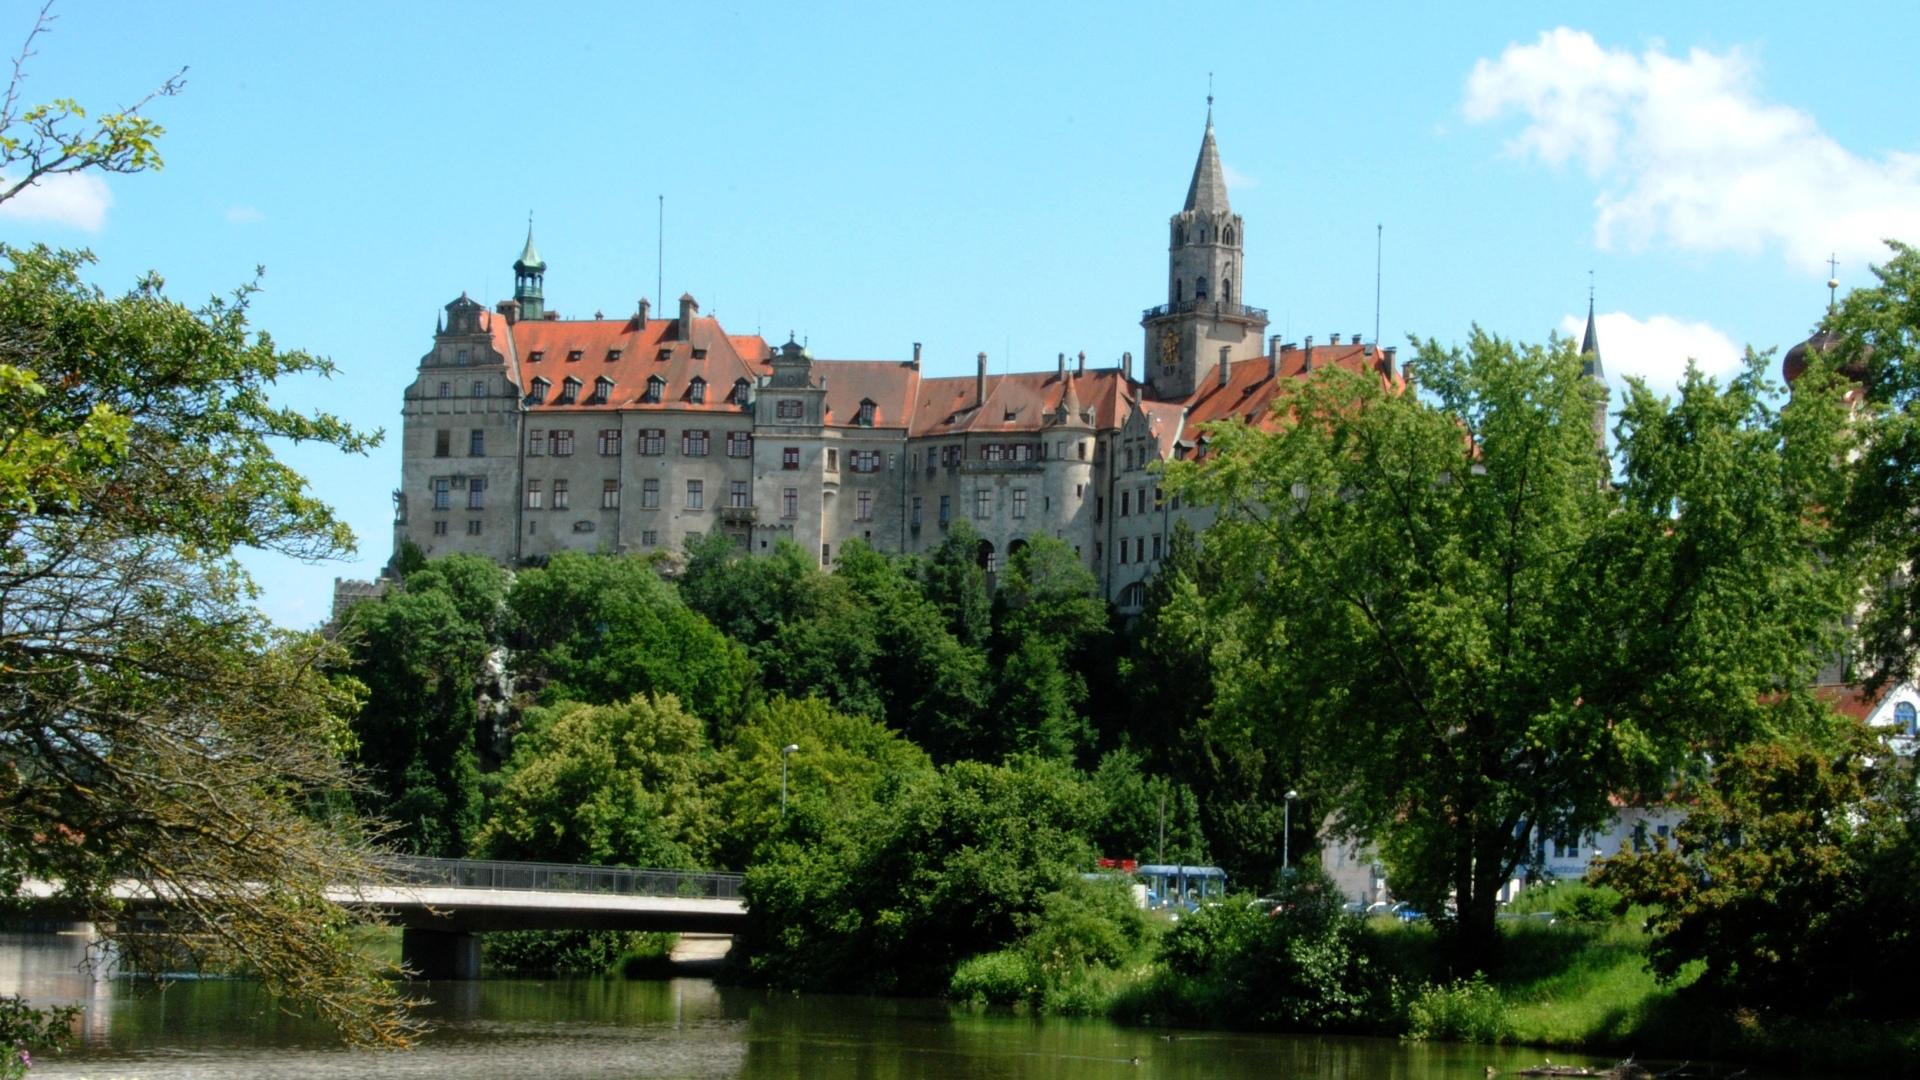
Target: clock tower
{"x":1204,"y":312}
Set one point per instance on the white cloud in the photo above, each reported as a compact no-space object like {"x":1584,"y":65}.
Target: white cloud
{"x":242,"y":214}
{"x":76,"y":200}
{"x":1657,"y":348}
{"x":1237,"y":180}
{"x":1688,"y":154}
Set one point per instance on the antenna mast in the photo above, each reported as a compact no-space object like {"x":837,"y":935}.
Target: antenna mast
{"x":1379,"y":234}
{"x":660,"y":258}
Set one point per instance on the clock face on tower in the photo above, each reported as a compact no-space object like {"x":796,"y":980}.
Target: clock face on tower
{"x":1169,"y":349}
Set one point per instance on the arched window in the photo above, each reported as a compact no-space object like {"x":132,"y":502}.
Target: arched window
{"x":1200,"y":288}
{"x":1904,"y":717}
{"x":985,"y":556}
{"x":1229,"y":236}
{"x":1179,"y":235}
{"x":1226,"y":289}
{"x":1179,"y":291}
{"x":1134,"y":595}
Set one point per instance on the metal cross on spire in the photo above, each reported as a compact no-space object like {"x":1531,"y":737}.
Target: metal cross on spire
{"x":1833,"y":281}
{"x":1209,"y":97}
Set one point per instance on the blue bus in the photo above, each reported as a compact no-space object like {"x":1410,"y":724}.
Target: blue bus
{"x":1182,"y":888}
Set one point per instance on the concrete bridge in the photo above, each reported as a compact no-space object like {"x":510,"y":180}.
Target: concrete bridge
{"x":440,"y":904}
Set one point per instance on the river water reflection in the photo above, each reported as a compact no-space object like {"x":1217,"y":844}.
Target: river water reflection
{"x":602,"y":1028}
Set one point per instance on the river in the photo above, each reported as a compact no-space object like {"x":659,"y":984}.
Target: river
{"x":562,"y":1029}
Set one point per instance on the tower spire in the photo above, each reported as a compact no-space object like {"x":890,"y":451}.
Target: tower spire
{"x":529,"y":276}
{"x":1833,"y":282}
{"x":1590,"y":344}
{"x":1208,"y":190}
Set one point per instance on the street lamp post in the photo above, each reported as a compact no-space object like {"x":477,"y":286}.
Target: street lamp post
{"x":1286,"y":836}
{"x":786,"y":754}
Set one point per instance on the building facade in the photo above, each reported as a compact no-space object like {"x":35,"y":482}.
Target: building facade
{"x":526,"y":434}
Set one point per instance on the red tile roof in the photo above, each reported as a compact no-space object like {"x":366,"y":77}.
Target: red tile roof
{"x":945,"y":406}
{"x":889,"y":384}
{"x":640,"y":347}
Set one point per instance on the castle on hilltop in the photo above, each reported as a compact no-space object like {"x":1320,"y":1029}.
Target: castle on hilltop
{"x":527,"y":434}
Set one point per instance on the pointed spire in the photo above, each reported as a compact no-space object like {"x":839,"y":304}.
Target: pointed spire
{"x":530,"y":255}
{"x":1590,"y":345}
{"x":1070,"y":408}
{"x":1208,"y":191}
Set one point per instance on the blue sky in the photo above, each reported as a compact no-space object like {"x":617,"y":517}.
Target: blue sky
{"x":980,"y":176}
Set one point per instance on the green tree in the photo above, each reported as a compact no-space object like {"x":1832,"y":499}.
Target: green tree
{"x":1473,"y":637}
{"x":935,"y":869}
{"x":1791,"y":880}
{"x":1048,"y":623}
{"x":621,"y":784}
{"x":932,"y":685}
{"x":842,"y":764}
{"x":1145,"y":817}
{"x":421,"y":653}
{"x":600,"y":629}
{"x":957,"y":585}
{"x":155,"y":729}
{"x":1876,"y":335}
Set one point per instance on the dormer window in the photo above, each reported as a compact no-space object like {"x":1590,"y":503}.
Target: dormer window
{"x":864,"y":417}
{"x":666,"y":353}
{"x":602,"y":391}
{"x":697,"y":391}
{"x":741,"y":388}
{"x":699,"y":354}
{"x":656,"y":389}
{"x":536,"y":356}
{"x":573,"y":355}
{"x":612,"y":355}
{"x":537,"y":391}
{"x":569,"y":391}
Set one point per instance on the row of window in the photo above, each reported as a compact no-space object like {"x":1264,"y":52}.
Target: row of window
{"x":574,"y":356}
{"x":476,"y":443}
{"x":603,"y":386}
{"x":651,"y":442}
{"x":793,"y":410}
{"x":954,"y":453}
{"x":739,"y":494}
{"x":473,"y":527}
{"x":1139,"y":549}
{"x":479,"y":388}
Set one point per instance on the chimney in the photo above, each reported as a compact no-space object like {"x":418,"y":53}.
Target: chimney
{"x":1333,"y":339}
{"x":1225,"y":366}
{"x":916,"y":356}
{"x":1063,"y":367}
{"x":980,"y":384}
{"x":1273,"y":357}
{"x":1126,"y":366}
{"x":1082,"y":370}
{"x":688,"y":306}
{"x":646,"y":309}
{"x":1307,"y":364}
{"x":510,"y":309}
{"x":1356,"y":339}
{"x":1388,"y":353}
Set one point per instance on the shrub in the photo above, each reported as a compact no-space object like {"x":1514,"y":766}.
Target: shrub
{"x":996,"y":978}
{"x":1466,"y":1010}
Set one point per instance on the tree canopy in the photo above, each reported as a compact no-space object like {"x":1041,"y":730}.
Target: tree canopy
{"x":1471,"y":636}
{"x":154,"y":728}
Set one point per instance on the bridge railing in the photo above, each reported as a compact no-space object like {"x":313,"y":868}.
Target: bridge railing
{"x":561,"y":877}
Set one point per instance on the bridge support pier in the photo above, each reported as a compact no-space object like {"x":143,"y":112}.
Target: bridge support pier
{"x":440,"y":954}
